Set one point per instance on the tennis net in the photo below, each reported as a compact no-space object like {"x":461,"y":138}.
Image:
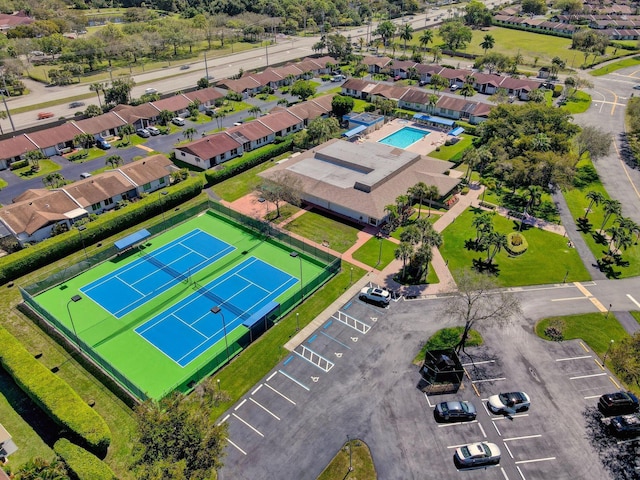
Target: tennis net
{"x":165,"y":268}
{"x":220,"y":301}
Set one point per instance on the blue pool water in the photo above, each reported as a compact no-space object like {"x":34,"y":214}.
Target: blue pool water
{"x":404,"y":137}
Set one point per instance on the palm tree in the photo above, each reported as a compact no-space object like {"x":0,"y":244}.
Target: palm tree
{"x":611,"y":207}
{"x":98,"y":87}
{"x":488,"y":42}
{"x":423,"y":256}
{"x":437,"y":54}
{"x":418,"y":191}
{"x":411,"y":235}
{"x":489,"y":183}
{"x":595,"y":198}
{"x":467,"y":90}
{"x":164,"y":117}
{"x":497,"y":241}
{"x":392,"y":216}
{"x":426,"y":38}
{"x":403,"y":252}
{"x":402,"y":201}
{"x":255,"y":110}
{"x":482,"y":224}
{"x":433,"y":101}
{"x":114,"y":161}
{"x":535,"y":193}
{"x":406,"y":33}
{"x":125,"y":131}
{"x":432,"y":193}
{"x":189,"y":133}
{"x":471,"y":157}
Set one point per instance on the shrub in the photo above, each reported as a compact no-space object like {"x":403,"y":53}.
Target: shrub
{"x":19,"y":164}
{"x":43,"y":253}
{"x":554,"y":330}
{"x":84,"y":465}
{"x":464,"y":190}
{"x":53,"y":395}
{"x":516,"y":243}
{"x":557,"y":91}
{"x":249,"y":160}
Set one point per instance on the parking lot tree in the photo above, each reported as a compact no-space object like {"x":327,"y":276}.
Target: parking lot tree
{"x":341,"y":105}
{"x":594,"y":140}
{"x":283,"y":187}
{"x":477,"y":301}
{"x":625,"y":358}
{"x":303,"y":89}
{"x":455,"y":34}
{"x":114,"y":161}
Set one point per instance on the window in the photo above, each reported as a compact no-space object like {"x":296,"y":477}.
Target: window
{"x":182,"y":154}
{"x":146,"y":186}
{"x":198,"y":160}
{"x":108,"y":201}
{"x":161,"y":181}
{"x":96,"y":206}
{"x":234,"y":151}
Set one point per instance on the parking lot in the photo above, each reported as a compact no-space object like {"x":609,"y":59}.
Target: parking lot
{"x":353,"y":376}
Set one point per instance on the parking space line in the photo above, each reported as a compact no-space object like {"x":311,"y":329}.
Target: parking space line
{"x":496,"y":427}
{"x":239,"y":405}
{"x":281,"y":394}
{"x":508,"y":449}
{"x":272,"y":375}
{"x":592,"y":397}
{"x":599,"y":364}
{"x":614,"y":382}
{"x":457,"y":446}
{"x":519,"y":415}
{"x":520,"y":472}
{"x":310,"y":356}
{"x":535,"y":460}
{"x":588,"y":376}
{"x":489,"y":380}
{"x":256,"y":390}
{"x":504,"y":474}
{"x":584,"y":346}
{"x":427,"y":397}
{"x":482,"y":430}
{"x":568,"y":299}
{"x":241,"y":450}
{"x":250,"y":426}
{"x":633,"y":300}
{"x":295,"y":381}
{"x":442,"y":425}
{"x":224,"y":419}
{"x":478,"y":363}
{"x":266,"y":409}
{"x":627,"y":441}
{"x":521,"y":438}
{"x":573,"y":358}
{"x":288,"y":360}
{"x":346,"y":319}
{"x":336,"y":340}
{"x":485,"y":406}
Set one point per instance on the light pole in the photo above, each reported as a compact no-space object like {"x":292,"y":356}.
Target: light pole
{"x":4,"y":100}
{"x":297,"y":321}
{"x":565,"y":277}
{"x":80,"y":229}
{"x":604,"y":359}
{"x":351,"y":279}
{"x":215,"y":311}
{"x":74,"y":299}
{"x":608,"y":311}
{"x":164,"y":193}
{"x":218,"y":380}
{"x":266,"y":49}
{"x":380,"y":251}
{"x":350,"y":462}
{"x":297,"y":255}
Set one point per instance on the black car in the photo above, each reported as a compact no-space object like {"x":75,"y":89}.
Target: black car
{"x":618,"y":403}
{"x":76,"y":104}
{"x":626,"y":425}
{"x":455,"y":412}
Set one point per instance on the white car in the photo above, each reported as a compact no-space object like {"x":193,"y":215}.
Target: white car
{"x":178,"y":121}
{"x":479,"y":454}
{"x":509,"y":403}
{"x":374,"y":295}
{"x":153,"y":131}
{"x":150,"y":91}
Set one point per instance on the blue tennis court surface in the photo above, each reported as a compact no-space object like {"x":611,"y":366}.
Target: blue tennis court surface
{"x":188,"y":329}
{"x":125,"y":289}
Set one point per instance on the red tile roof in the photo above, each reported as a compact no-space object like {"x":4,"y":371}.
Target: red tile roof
{"x":54,"y":135}
{"x":100,"y":123}
{"x":16,"y":146}
{"x":211,"y":146}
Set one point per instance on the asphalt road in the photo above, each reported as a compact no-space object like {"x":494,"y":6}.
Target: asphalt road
{"x":342,"y":381}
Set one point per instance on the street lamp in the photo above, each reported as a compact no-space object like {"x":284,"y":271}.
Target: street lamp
{"x":604,"y":359}
{"x":215,"y":311}
{"x":80,"y":229}
{"x":218,"y":380}
{"x":297,"y":321}
{"x":164,"y":193}
{"x":350,"y":463}
{"x":380,"y":252}
{"x":74,"y":299}
{"x":608,"y":311}
{"x":296,"y":255}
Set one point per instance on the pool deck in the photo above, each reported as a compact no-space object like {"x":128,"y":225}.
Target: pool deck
{"x":425,"y":146}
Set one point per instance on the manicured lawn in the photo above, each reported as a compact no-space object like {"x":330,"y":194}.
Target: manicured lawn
{"x":578,"y":204}
{"x":361,"y":461}
{"x":453,"y":153}
{"x":375,"y":249}
{"x":133,"y":140}
{"x":594,"y":328}
{"x":3,"y":183}
{"x":447,"y":338}
{"x":320,"y":228}
{"x":612,"y":67}
{"x":547,"y":260}
{"x":579,"y":103}
{"x":265,"y":353}
{"x":286,"y":211}
{"x":359,"y":105}
{"x":433,"y":218}
{"x":46,"y":167}
{"x":268,"y":98}
{"x":245,"y":183}
{"x":636,"y":315}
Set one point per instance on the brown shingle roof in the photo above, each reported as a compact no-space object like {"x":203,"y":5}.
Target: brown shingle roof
{"x":148,"y":169}
{"x":173,"y":104}
{"x":131,"y":114}
{"x":416,"y":95}
{"x":204,"y":95}
{"x":211,"y":146}
{"x":278,"y":121}
{"x":16,"y":146}
{"x":30,"y":215}
{"x":100,"y":123}
{"x":248,"y":132}
{"x":94,"y":190}
{"x":54,"y":135}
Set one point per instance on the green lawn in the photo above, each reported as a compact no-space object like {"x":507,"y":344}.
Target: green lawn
{"x":361,"y":462}
{"x":578,"y":204}
{"x":375,"y":249}
{"x":133,"y":140}
{"x":579,"y":103}
{"x":597,"y":329}
{"x":453,"y":153}
{"x":3,"y":183}
{"x":447,"y":338}
{"x":46,"y":167}
{"x":321,"y":228}
{"x":547,"y":260}
{"x":359,"y":105}
{"x":286,"y":211}
{"x":612,"y":67}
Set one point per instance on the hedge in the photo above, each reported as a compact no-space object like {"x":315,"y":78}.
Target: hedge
{"x":43,"y":253}
{"x":249,"y":160}
{"x":19,"y":164}
{"x":516,"y":243}
{"x":82,"y":465}
{"x":53,"y":395}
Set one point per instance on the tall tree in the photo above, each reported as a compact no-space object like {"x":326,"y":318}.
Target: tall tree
{"x":456,"y":36}
{"x":114,"y":161}
{"x":488,"y":42}
{"x":611,"y":207}
{"x":282,"y":187}
{"x":403,"y":252}
{"x":406,"y":34}
{"x":426,"y":38}
{"x":418,"y":192}
{"x":594,"y":140}
{"x":477,"y":302}
{"x":595,"y":198}
{"x":303,"y":89}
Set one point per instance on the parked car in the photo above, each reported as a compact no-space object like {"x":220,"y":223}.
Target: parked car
{"x":153,"y":131}
{"x":479,"y":454}
{"x":76,"y":104}
{"x":618,"y":403}
{"x":43,"y":115}
{"x":237,"y":124}
{"x":178,"y":121}
{"x":626,"y":425}
{"x":103,"y":144}
{"x":150,"y":91}
{"x":85,"y":175}
{"x":143,"y":132}
{"x":454,"y":87}
{"x":456,"y":411}
{"x":509,"y":403}
{"x":636,"y":87}
{"x":210,"y":111}
{"x":377,"y":296}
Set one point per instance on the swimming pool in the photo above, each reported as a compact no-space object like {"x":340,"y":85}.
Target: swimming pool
{"x":404,"y":137}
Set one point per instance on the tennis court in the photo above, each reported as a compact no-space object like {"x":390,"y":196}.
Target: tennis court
{"x":125,"y":289}
{"x":189,"y":328}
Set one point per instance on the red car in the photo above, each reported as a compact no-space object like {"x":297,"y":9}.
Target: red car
{"x":43,"y":115}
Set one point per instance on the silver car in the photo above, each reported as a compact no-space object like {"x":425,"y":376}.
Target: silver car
{"x":481,"y":454}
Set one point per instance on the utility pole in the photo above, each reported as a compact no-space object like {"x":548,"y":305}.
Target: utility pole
{"x":206,"y":67}
{"x":4,"y":100}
